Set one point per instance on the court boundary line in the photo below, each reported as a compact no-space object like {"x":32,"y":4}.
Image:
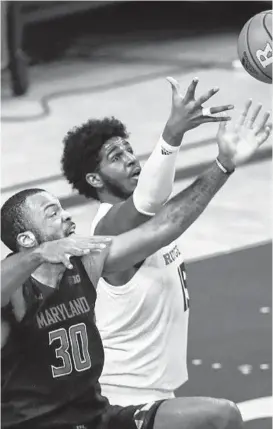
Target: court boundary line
{"x":44,"y":101}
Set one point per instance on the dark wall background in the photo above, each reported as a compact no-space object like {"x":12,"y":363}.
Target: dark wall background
{"x":49,"y":40}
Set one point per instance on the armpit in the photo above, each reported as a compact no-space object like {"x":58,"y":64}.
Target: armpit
{"x":93,"y":265}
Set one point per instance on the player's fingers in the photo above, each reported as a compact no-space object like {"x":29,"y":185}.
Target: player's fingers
{"x":220,"y":109}
{"x":90,"y":242}
{"x":206,"y":97}
{"x":190,"y":94}
{"x":222,"y":127}
{"x":98,"y":246}
{"x":261,"y":126}
{"x":216,"y":119}
{"x":104,"y":238}
{"x":66,"y":261}
{"x":175,"y":86}
{"x":84,"y":248}
{"x":264,"y":135}
{"x":254,"y":115}
{"x":100,"y":239}
{"x":77,"y":251}
{"x":99,"y":242}
{"x":243,"y":115}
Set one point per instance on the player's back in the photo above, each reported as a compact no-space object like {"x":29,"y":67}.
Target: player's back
{"x":53,"y":357}
{"x":143,"y":324}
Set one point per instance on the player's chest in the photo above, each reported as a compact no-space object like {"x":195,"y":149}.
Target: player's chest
{"x":38,"y":307}
{"x":161,"y":281}
{"x":161,"y":278}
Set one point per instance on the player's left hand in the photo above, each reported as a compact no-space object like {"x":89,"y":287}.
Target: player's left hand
{"x":187,"y":112}
{"x":239,"y":144}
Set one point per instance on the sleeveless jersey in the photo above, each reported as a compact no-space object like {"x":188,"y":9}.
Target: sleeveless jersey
{"x":53,"y":358}
{"x":144,"y":328}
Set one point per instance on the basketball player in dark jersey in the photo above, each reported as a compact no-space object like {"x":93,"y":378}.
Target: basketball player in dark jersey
{"x":52,"y":355}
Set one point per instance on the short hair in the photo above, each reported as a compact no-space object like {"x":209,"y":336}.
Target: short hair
{"x":82,"y":147}
{"x":13,"y":218}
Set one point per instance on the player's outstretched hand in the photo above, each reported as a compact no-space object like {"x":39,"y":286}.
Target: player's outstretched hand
{"x":188,"y":113}
{"x":60,"y":251}
{"x":238,"y":144}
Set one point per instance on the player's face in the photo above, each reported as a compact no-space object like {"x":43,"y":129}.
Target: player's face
{"x":48,"y":219}
{"x":119,"y":168}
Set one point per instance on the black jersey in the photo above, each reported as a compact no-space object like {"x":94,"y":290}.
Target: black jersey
{"x":54,"y":357}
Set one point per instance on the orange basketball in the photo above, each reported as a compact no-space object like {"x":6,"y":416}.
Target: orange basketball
{"x":255,"y":46}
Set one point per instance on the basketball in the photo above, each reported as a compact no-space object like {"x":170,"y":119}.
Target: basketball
{"x":255,"y":46}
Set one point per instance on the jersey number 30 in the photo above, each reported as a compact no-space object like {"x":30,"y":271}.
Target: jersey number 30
{"x":73,"y":347}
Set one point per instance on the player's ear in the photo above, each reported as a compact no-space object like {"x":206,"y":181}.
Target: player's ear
{"x":26,"y":239}
{"x":94,"y":180}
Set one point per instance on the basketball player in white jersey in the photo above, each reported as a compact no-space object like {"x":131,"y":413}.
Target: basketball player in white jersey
{"x":142,"y":313}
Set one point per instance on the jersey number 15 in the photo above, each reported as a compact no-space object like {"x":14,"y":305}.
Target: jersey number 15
{"x":182,"y":276}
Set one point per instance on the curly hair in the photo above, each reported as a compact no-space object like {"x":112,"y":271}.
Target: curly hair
{"x":82,"y":147}
{"x":13,"y":217}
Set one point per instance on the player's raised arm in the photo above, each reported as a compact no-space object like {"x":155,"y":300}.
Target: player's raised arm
{"x":155,"y":182}
{"x":235,"y":147}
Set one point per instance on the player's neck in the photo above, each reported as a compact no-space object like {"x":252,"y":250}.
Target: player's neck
{"x":49,"y":274}
{"x":106,"y":197}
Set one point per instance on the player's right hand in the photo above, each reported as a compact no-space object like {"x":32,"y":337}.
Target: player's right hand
{"x":187,"y":111}
{"x":60,"y":251}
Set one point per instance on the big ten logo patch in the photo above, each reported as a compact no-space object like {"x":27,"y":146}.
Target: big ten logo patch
{"x":264,"y":56}
{"x":74,"y":280}
{"x":142,"y":415}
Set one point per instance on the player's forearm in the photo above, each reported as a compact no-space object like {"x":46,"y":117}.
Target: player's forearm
{"x":15,"y":270}
{"x":182,"y":210}
{"x":155,"y":183}
{"x":171,"y":136}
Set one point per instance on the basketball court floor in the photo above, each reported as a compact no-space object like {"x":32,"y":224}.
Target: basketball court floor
{"x":228,"y":249}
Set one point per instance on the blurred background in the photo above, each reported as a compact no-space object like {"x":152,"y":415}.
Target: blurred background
{"x":65,"y":62}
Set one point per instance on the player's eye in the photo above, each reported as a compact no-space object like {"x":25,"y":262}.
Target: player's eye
{"x":52,"y":213}
{"x":116,"y":157}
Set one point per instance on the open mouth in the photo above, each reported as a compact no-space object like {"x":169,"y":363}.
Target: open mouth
{"x":71,"y":230}
{"x":135,"y":174}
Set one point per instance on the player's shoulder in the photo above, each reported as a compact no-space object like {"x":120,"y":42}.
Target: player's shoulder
{"x":9,"y":254}
{"x":100,"y":214}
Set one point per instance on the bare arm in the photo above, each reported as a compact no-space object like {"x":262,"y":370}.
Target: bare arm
{"x":173,"y":219}
{"x":156,"y":179}
{"x":15,"y":270}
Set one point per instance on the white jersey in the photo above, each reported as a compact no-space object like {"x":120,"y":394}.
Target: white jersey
{"x":144,"y":328}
